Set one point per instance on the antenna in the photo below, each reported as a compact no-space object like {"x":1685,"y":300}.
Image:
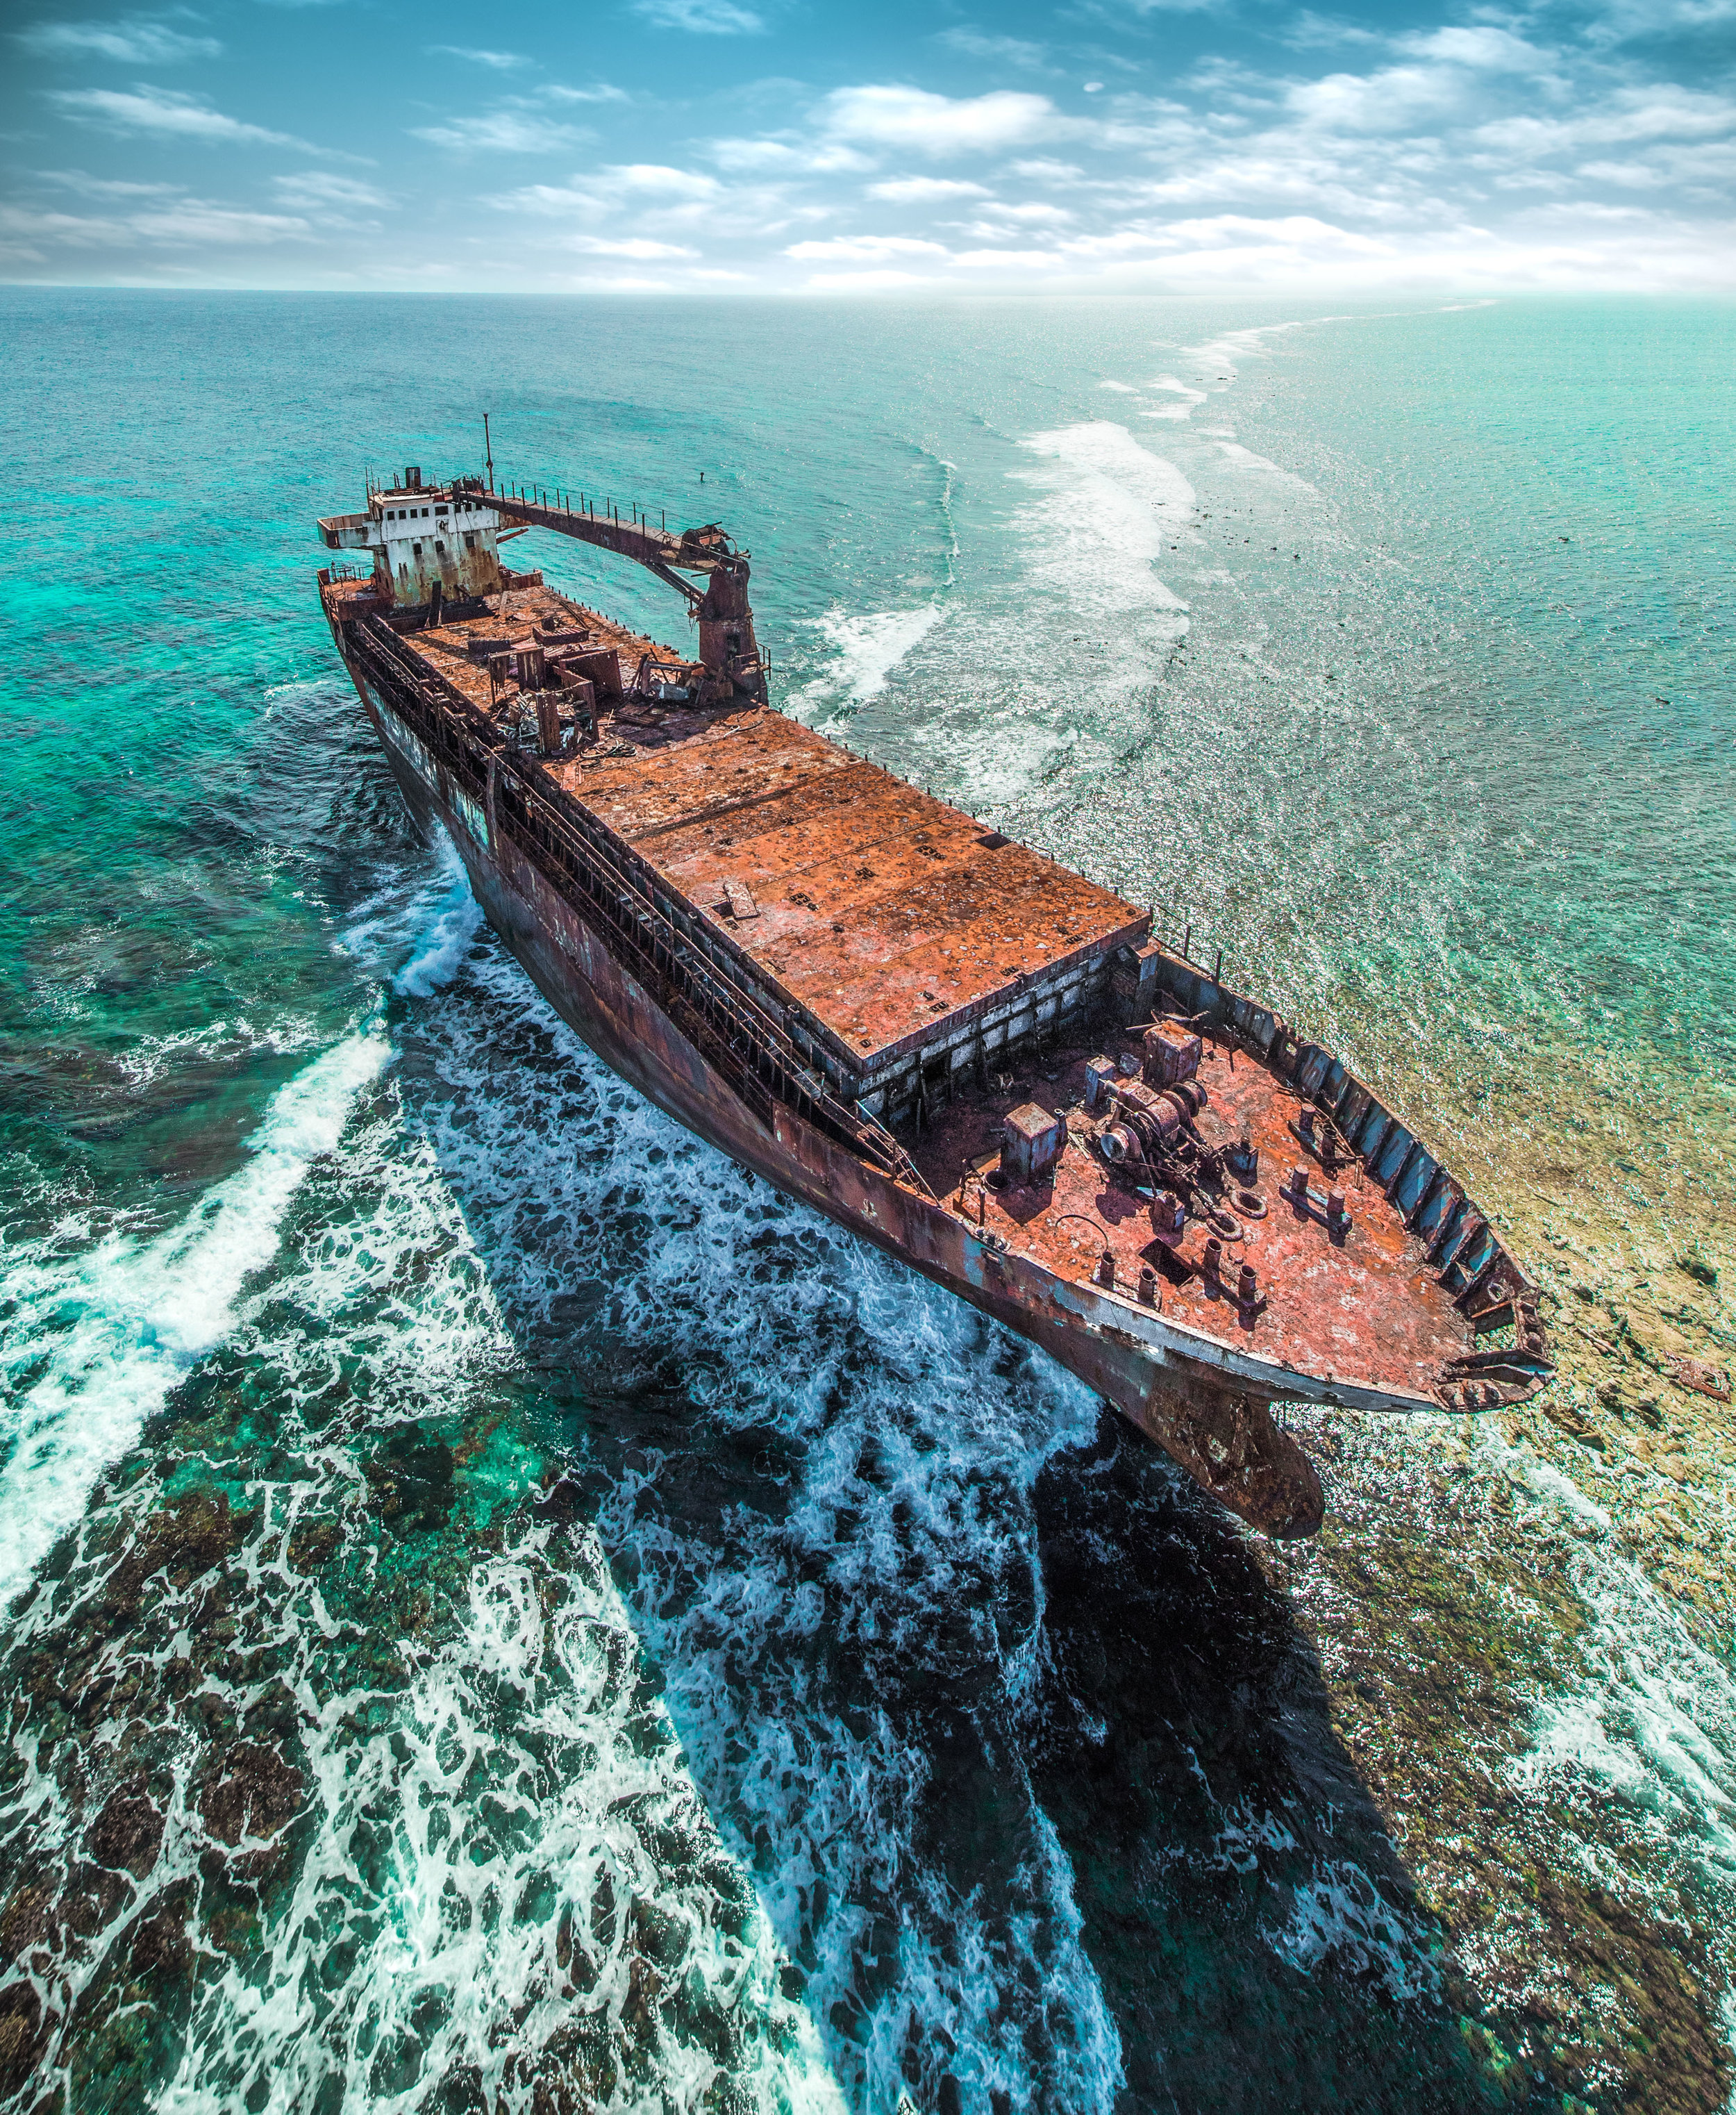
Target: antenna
{"x":488,"y":450}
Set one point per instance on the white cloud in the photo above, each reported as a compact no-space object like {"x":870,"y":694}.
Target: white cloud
{"x":925,"y":190}
{"x":497,"y":132}
{"x":1308,"y":31}
{"x":705,"y":18}
{"x":71,"y":230}
{"x":135,"y":40}
{"x":1492,"y":147}
{"x":863,"y":282}
{"x":146,"y":109}
{"x":496,"y":62}
{"x":640,"y":248}
{"x":864,"y":249}
{"x":1043,"y":171}
{"x":193,"y":223}
{"x":1617,"y":21}
{"x":108,"y":187}
{"x":547,"y":198}
{"x":1630,"y":115}
{"x":1009,"y":51}
{"x":187,"y":222}
{"x":313,"y":188}
{"x":1396,"y":100}
{"x":914,"y":119}
{"x":1485,"y":47}
{"x":1010,"y":260}
{"x":1033,"y":215}
{"x":659,"y":180}
{"x":795,"y":157}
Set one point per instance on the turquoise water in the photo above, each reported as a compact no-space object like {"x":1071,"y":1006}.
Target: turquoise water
{"x":508,"y":1611}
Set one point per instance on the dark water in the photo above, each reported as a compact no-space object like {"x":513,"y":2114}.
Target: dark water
{"x":509,"y":1612}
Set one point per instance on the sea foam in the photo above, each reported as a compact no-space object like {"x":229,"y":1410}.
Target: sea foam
{"x":865,"y":651}
{"x":1043,"y":666}
{"x":127,"y":1320}
{"x":797,"y":1633}
{"x":491,"y":1799}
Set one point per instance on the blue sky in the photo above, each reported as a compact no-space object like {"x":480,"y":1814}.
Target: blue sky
{"x":725,"y":146}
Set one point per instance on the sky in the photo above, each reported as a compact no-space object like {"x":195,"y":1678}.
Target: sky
{"x":768,"y":146}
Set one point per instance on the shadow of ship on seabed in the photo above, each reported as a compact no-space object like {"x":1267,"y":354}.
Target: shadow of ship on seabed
{"x":1180,"y":1742}
{"x":1017,"y":1613}
{"x":1257,"y":1939}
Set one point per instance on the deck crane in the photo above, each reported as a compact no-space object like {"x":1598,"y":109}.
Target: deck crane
{"x":728,"y":650}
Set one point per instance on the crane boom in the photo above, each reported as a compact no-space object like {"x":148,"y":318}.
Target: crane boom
{"x":728,"y":650}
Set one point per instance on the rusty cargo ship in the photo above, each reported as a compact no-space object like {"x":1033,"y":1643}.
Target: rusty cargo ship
{"x":984,"y":1063}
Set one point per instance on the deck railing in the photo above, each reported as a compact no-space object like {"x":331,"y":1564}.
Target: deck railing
{"x":616,"y":890}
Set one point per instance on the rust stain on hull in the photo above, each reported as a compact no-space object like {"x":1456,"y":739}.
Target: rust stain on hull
{"x":968,"y":1055}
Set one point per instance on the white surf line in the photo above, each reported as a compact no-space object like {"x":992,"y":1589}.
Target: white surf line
{"x":1110,"y":507}
{"x":1183,"y":398}
{"x":534,"y":1704}
{"x":144,"y":1316}
{"x":1224,"y":353}
{"x":447,"y":937}
{"x":1101,"y":514}
{"x":1240,"y":345}
{"x":866,"y":649}
{"x":1240,"y":458}
{"x":1650,"y":1720}
{"x":896,"y":1413}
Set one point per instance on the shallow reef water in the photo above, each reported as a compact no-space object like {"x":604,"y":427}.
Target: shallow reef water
{"x":505,"y":1611}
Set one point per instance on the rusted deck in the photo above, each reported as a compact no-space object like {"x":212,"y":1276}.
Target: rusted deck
{"x":877,"y":908}
{"x":1362,"y":1307}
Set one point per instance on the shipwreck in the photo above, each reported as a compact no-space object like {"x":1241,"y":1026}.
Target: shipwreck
{"x":988,"y":1066}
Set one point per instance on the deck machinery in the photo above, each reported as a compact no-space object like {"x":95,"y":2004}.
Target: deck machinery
{"x":984,"y":1063}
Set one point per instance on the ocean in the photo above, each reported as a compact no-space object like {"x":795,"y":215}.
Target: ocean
{"x":502,"y":1611}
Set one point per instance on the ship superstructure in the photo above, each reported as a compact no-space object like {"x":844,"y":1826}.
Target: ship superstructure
{"x":981,"y":1061}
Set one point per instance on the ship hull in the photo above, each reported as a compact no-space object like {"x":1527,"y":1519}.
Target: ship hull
{"x":1211,"y":1418}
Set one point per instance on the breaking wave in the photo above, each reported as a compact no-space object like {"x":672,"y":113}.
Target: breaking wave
{"x":1649,"y":1724}
{"x":1111,"y":509}
{"x":431,"y":1760}
{"x":865,"y":651}
{"x":885,"y":1534}
{"x":1042,"y":669}
{"x":95,"y":1338}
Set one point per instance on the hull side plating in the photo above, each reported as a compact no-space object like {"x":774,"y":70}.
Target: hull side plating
{"x":1194,"y":1400}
